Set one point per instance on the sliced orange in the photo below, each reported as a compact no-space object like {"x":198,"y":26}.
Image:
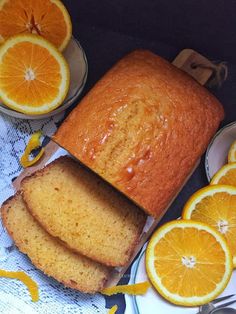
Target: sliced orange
{"x":226,"y":175}
{"x":216,"y":206}
{"x":48,"y":18}
{"x":188,"y":262}
{"x":232,"y":153}
{"x":34,"y":76}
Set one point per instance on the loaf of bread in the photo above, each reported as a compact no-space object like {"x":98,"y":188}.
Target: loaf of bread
{"x":87,"y":214}
{"x":47,"y":254}
{"x":142,"y":128}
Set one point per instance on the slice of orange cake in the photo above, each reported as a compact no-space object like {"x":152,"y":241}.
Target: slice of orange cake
{"x":48,"y":254}
{"x":88,"y":215}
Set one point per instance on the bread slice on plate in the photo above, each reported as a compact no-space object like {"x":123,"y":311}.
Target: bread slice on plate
{"x":49,"y":255}
{"x":88,"y":215}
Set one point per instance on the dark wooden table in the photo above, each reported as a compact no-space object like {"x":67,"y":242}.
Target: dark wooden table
{"x":107,"y":30}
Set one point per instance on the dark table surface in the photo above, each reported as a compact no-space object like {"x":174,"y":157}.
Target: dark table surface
{"x":108,"y":30}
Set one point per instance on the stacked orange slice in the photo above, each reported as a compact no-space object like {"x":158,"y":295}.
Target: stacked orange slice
{"x":190,"y":261}
{"x":226,"y":175}
{"x":232,"y":153}
{"x":216,"y":206}
{"x":47,"y":18}
{"x":34,"y":76}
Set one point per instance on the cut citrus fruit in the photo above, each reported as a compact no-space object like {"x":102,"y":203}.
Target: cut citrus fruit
{"x":34,"y":76}
{"x":47,"y":18}
{"x":188,"y":262}
{"x":226,"y":175}
{"x":232,"y":153}
{"x":216,"y":206}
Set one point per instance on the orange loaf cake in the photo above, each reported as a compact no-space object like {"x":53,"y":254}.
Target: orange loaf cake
{"x":46,"y":253}
{"x":87,"y":214}
{"x":142,"y":128}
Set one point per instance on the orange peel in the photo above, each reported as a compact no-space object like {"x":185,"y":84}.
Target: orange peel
{"x":113,"y":309}
{"x":232,"y":153}
{"x":33,"y":143}
{"x":135,"y":289}
{"x":20,"y":275}
{"x":226,"y":175}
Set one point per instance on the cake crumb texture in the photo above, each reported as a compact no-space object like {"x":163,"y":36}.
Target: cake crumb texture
{"x":143,"y":127}
{"x":47,"y":254}
{"x":87,"y":214}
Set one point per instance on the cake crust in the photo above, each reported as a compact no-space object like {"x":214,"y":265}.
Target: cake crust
{"x":47,"y":254}
{"x":142,"y":128}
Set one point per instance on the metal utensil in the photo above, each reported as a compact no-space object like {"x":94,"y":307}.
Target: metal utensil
{"x":209,"y":307}
{"x":225,"y":310}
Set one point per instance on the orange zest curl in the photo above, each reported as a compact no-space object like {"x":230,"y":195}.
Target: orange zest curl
{"x":113,"y":309}
{"x":33,"y":143}
{"x":135,"y":289}
{"x":20,"y":275}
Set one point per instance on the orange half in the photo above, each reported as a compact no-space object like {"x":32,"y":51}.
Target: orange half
{"x":47,"y":18}
{"x":188,"y":262}
{"x":34,"y":76}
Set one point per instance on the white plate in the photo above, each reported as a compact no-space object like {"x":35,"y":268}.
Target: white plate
{"x":217,"y":151}
{"x":152,"y":300}
{"x":76,"y":58}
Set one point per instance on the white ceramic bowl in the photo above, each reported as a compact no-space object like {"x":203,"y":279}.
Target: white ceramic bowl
{"x":76,"y":58}
{"x":217,"y":151}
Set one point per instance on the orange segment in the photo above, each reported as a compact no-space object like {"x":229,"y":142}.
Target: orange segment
{"x":188,"y":262}
{"x":34,"y":76}
{"x":48,"y":18}
{"x":226,"y":175}
{"x":216,"y":206}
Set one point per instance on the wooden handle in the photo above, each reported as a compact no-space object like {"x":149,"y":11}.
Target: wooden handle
{"x":199,"y":67}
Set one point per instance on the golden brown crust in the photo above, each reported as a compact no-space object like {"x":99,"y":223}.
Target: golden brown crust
{"x":142,"y":128}
{"x":49,"y":272}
